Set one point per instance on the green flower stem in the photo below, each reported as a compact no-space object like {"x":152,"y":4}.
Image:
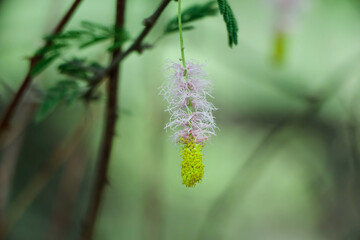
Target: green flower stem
{"x":181,"y":38}
{"x":189,"y":110}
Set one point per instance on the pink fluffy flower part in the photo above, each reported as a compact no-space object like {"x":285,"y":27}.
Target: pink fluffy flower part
{"x":191,"y":113}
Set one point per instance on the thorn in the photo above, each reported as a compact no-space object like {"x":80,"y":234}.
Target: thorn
{"x":147,"y":22}
{"x":147,"y":46}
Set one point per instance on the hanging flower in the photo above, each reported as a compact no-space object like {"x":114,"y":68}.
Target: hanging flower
{"x":286,"y":12}
{"x":191,"y":116}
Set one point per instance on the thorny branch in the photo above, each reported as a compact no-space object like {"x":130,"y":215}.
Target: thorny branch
{"x":111,"y":112}
{"x":111,"y":71}
{"x":110,"y":126}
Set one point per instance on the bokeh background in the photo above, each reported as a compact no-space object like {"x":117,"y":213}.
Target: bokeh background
{"x":283,"y":166}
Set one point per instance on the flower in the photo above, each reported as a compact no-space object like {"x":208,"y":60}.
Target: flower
{"x":190,"y":115}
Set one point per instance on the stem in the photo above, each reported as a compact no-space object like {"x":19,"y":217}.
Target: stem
{"x":111,"y":117}
{"x":181,"y":37}
{"x":59,"y":28}
{"x":34,"y":60}
{"x":188,"y":107}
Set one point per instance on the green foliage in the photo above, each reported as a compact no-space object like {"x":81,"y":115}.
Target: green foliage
{"x":90,"y":34}
{"x":64,"y":91}
{"x":80,"y":69}
{"x":230,"y":21}
{"x":72,"y":89}
{"x":48,"y":54}
{"x":47,"y":59}
{"x":194,"y":12}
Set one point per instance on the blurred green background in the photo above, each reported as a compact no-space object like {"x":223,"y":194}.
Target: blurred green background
{"x":283,"y":166}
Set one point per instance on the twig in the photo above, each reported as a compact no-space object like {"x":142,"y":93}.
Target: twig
{"x":110,"y":126}
{"x":34,"y":60}
{"x":59,"y":28}
{"x":136,"y":46}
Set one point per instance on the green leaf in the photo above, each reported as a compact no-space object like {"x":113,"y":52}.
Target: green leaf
{"x":80,"y":69}
{"x":69,"y":35}
{"x":51,"y":49}
{"x":193,"y":13}
{"x":121,"y":36}
{"x":230,"y":21}
{"x":91,"y":26}
{"x":93,"y":41}
{"x":120,"y":40}
{"x":115,"y":46}
{"x":64,"y":91}
{"x":44,"y":63}
{"x":90,"y":34}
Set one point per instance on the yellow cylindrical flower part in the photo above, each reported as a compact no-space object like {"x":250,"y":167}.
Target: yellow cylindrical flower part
{"x":192,"y":168}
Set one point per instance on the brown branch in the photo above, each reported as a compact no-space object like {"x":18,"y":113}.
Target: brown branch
{"x":137,"y":46}
{"x":110,"y":126}
{"x":59,"y":28}
{"x":34,"y":60}
{"x":111,"y":115}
